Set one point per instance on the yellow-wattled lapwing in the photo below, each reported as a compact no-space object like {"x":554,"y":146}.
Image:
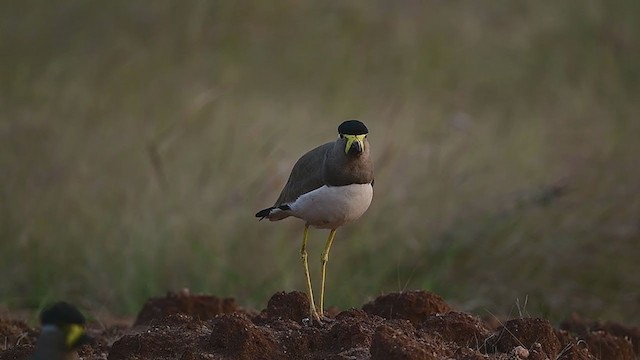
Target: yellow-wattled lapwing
{"x":329,"y":186}
{"x":61,"y":333}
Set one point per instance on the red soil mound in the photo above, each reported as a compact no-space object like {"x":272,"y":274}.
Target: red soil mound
{"x":411,"y":325}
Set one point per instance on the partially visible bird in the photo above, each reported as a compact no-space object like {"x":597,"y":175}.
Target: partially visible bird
{"x":62,"y":332}
{"x":329,"y":186}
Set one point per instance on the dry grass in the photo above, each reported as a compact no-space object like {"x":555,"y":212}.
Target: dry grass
{"x":137,"y":140}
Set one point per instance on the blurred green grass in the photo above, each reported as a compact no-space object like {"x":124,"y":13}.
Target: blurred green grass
{"x":137,"y":140}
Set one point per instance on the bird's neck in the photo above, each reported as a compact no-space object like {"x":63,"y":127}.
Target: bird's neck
{"x":50,"y":346}
{"x":341,"y":169}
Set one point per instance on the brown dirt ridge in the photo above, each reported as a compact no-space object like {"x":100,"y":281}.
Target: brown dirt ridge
{"x":409,"y":325}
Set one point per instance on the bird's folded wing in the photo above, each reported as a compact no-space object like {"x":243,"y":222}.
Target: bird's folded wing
{"x":306,"y":176}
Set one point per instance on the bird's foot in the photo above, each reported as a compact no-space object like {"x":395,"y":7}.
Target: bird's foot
{"x":315,"y":318}
{"x":326,"y":320}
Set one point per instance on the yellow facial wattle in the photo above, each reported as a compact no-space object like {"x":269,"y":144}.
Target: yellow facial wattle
{"x":354,"y":138}
{"x":74,"y":333}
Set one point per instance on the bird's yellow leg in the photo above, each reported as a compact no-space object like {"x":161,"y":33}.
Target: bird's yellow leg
{"x":313,"y":313}
{"x":325,"y":258}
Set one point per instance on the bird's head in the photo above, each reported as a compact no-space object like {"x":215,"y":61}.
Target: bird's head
{"x":64,"y":318}
{"x":353,"y":134}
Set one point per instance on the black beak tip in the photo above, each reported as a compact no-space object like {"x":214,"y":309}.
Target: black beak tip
{"x":355,"y":148}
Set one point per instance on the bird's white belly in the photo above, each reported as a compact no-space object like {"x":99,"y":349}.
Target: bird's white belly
{"x":329,"y":207}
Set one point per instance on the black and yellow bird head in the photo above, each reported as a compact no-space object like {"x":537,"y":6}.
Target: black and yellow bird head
{"x":63,"y":331}
{"x":353,"y":134}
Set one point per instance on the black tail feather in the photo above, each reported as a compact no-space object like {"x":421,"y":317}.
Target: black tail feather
{"x":265,"y":212}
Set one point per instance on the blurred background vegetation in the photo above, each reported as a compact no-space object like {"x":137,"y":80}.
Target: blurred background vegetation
{"x":138,"y":139}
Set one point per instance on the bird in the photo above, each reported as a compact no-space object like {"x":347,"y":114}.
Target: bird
{"x":329,"y":186}
{"x":62,"y":332}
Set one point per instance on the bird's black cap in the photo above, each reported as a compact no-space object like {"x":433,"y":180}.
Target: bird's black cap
{"x":352,"y":127}
{"x":61,"y":313}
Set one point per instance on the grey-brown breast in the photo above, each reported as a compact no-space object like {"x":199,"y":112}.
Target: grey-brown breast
{"x":340,"y":169}
{"x":327,"y":164}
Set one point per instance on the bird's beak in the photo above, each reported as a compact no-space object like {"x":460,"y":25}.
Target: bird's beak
{"x":355,"y":143}
{"x":76,"y":336}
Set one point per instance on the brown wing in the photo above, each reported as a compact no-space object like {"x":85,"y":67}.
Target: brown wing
{"x":306,"y":175}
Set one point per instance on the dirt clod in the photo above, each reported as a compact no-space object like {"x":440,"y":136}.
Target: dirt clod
{"x":201,"y":307}
{"x":526,"y":333}
{"x":461,"y":328}
{"x":572,"y":348}
{"x":519,"y":352}
{"x":584,"y":330}
{"x":293,"y":306}
{"x":15,"y":332}
{"x":176,"y":335}
{"x":234,"y":335}
{"x":414,"y":306}
{"x":605,"y":346}
{"x":390,"y":343}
